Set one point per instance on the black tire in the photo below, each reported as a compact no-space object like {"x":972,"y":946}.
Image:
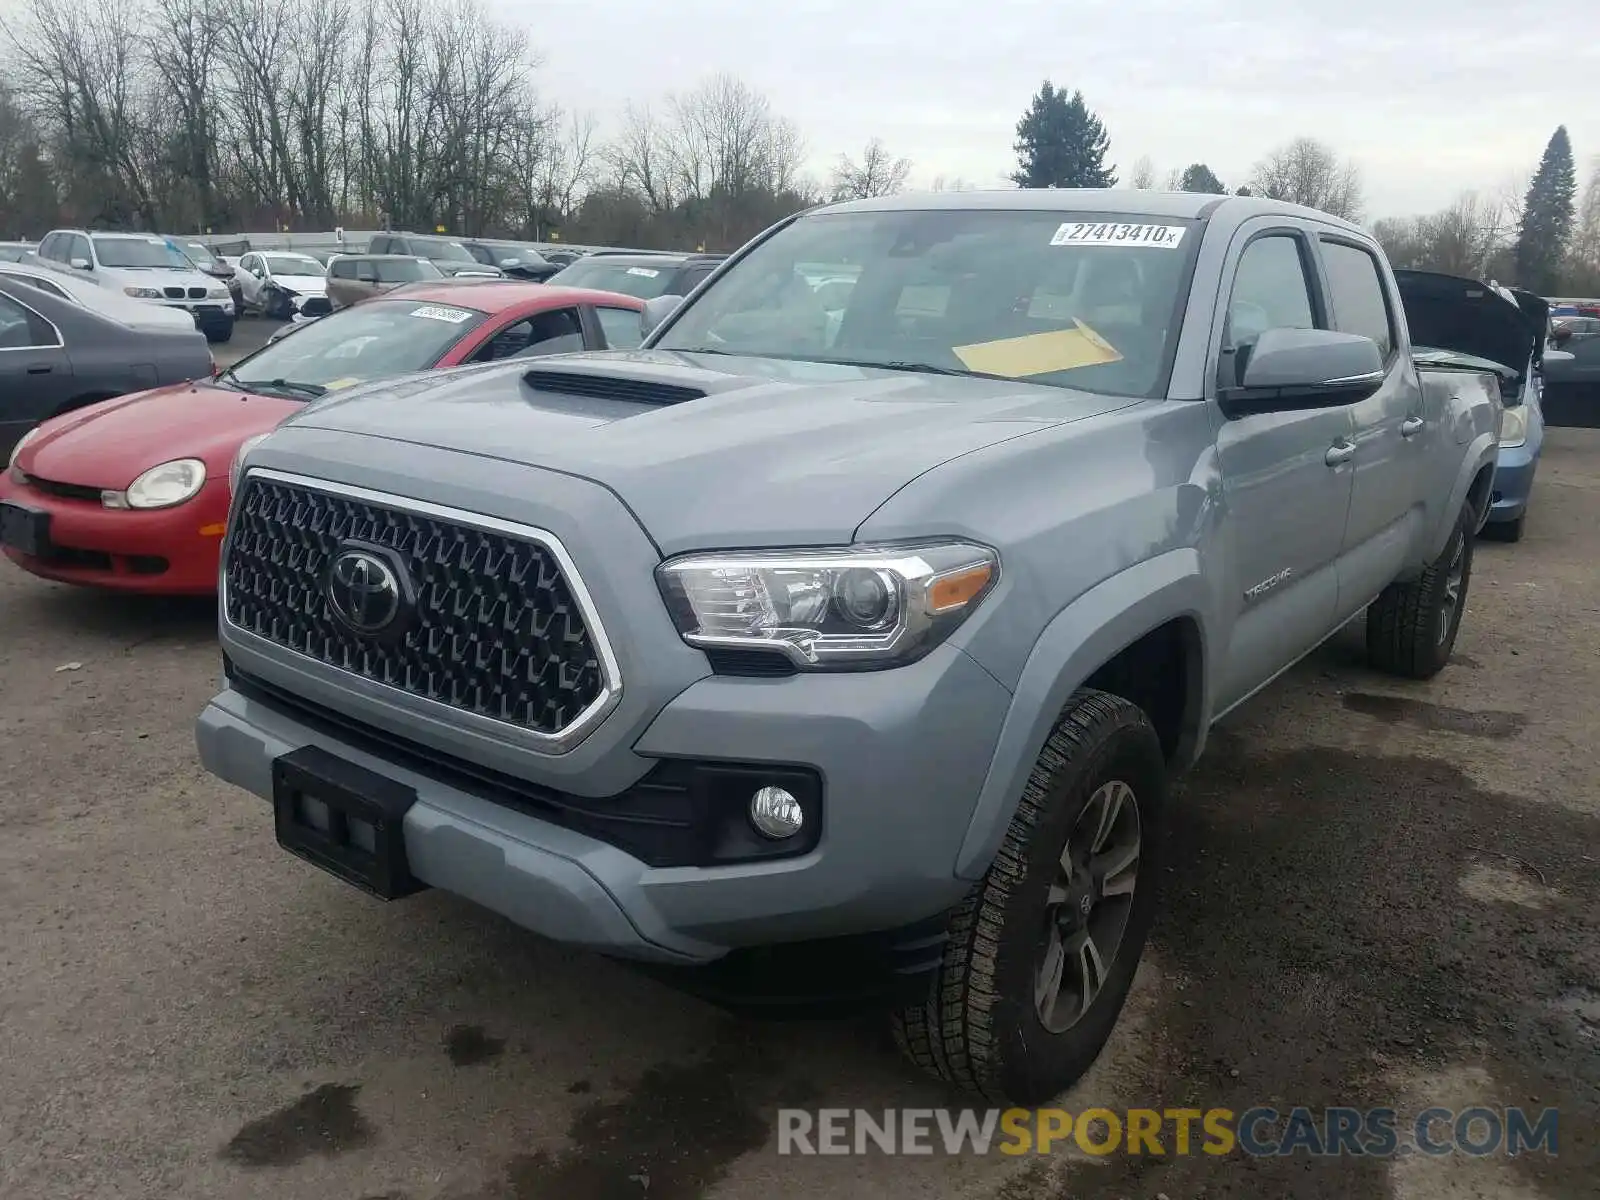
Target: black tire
{"x":981,"y":1028}
{"x":1505,"y":531}
{"x":1409,"y":630}
{"x":222,"y":337}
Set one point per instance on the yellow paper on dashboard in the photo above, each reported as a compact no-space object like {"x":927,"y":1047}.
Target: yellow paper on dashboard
{"x":1039,"y":353}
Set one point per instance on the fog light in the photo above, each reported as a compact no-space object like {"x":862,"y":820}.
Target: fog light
{"x":775,"y":813}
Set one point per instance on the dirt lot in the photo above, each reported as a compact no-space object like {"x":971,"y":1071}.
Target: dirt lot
{"x":1385,"y":894}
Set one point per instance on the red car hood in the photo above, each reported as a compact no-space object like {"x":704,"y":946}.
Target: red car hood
{"x":108,"y":445}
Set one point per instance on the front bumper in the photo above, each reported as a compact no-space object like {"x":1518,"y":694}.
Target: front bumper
{"x":1514,"y":470}
{"x":168,"y":551}
{"x":903,"y":755}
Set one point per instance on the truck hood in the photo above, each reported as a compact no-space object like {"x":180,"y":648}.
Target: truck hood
{"x":711,"y":451}
{"x":1448,"y":312}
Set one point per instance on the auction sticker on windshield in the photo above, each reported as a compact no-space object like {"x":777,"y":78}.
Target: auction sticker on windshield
{"x":436,"y":312}
{"x":1103,"y":233}
{"x":647,"y":272}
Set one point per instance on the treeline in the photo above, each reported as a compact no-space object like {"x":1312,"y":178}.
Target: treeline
{"x":189,"y":115}
{"x":1535,"y":233}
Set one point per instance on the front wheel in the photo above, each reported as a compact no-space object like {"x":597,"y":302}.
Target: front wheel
{"x":1042,"y":952}
{"x":1412,"y":627}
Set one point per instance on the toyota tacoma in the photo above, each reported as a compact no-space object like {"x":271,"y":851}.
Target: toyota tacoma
{"x":862,"y":634}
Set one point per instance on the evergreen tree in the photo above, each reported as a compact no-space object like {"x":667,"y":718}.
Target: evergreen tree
{"x":1061,"y":144}
{"x":1243,"y":191}
{"x":1197,"y":177}
{"x":1547,"y":217}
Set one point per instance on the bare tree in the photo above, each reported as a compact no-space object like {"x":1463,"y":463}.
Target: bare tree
{"x":642,"y":158}
{"x":1583,"y":269}
{"x":1308,"y":172}
{"x":77,"y":70}
{"x":1143,"y":178}
{"x":877,"y":174}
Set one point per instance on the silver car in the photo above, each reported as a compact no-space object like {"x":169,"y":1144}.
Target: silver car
{"x":145,"y":267}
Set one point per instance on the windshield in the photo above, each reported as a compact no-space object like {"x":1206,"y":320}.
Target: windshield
{"x":291,"y":264}
{"x":199,"y":253}
{"x":369,"y":341}
{"x":1090,"y":301}
{"x":442,"y":250}
{"x":140,"y":252}
{"x":406,"y":270}
{"x":645,"y":282}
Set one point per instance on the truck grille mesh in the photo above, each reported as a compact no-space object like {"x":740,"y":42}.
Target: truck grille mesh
{"x":497,"y":630}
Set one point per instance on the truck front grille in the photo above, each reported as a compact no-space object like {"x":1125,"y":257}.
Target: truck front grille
{"x":493,"y":627}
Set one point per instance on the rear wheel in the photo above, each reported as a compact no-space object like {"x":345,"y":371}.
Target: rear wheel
{"x":1042,"y":952}
{"x":1412,"y":627}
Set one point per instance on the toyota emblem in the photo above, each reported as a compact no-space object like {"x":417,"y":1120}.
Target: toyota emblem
{"x":364,"y":591}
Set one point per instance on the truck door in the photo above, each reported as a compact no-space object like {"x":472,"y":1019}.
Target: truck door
{"x":1286,"y":476}
{"x":1394,"y":438}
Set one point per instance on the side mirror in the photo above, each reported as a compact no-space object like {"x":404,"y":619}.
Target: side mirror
{"x":656,"y":310}
{"x":1302,"y":368}
{"x":82,"y":264}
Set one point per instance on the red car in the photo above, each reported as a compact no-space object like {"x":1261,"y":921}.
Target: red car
{"x":132,"y":493}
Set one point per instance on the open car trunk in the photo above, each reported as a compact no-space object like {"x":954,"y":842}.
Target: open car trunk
{"x":1464,"y":324}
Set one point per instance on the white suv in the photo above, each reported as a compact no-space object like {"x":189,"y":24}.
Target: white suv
{"x":146,"y":267}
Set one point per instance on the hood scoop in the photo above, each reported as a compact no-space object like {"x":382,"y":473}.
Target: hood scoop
{"x":609,"y":387}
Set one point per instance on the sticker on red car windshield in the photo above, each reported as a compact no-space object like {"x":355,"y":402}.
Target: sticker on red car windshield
{"x":1112,"y":233}
{"x":437,"y":312}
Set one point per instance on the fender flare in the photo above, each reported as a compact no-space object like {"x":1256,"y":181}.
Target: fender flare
{"x":1482,"y":452}
{"x":1081,"y":638}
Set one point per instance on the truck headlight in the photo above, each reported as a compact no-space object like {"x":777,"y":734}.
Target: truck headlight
{"x":236,"y":467}
{"x":161,"y":486}
{"x":142,"y":293}
{"x":855,"y":608}
{"x":1514,"y":425}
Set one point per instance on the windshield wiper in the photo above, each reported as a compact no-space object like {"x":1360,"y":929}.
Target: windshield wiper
{"x":311,"y":390}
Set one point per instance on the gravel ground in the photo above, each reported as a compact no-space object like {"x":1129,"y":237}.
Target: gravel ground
{"x":1383,"y":893}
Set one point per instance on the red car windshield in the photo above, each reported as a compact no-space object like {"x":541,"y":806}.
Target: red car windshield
{"x":370,"y":341}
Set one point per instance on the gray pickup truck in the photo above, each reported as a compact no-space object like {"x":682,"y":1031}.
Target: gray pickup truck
{"x":819,"y":651}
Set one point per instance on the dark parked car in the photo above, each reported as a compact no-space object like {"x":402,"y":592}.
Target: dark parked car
{"x":519,"y":262}
{"x":448,"y":254}
{"x":643,"y":275}
{"x":58,"y":356}
{"x":1579,"y":337}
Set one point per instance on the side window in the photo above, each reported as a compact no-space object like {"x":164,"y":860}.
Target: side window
{"x":47,"y":248}
{"x":341,"y":269}
{"x":21,"y":329}
{"x":379,"y":245}
{"x":1355,"y":289}
{"x":554,"y":332}
{"x":43,"y":285}
{"x":1270,"y":291}
{"x":367,"y":272}
{"x":620,"y":325}
{"x":80,"y":248}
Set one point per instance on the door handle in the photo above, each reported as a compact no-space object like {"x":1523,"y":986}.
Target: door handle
{"x":40,"y":370}
{"x":1410,"y":427}
{"x":1339,"y":453}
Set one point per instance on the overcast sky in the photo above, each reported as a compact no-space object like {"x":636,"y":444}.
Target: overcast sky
{"x":1429,"y":97}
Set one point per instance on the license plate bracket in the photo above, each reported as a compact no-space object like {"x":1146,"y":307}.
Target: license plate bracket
{"x":24,"y":529}
{"x":348,"y":820}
